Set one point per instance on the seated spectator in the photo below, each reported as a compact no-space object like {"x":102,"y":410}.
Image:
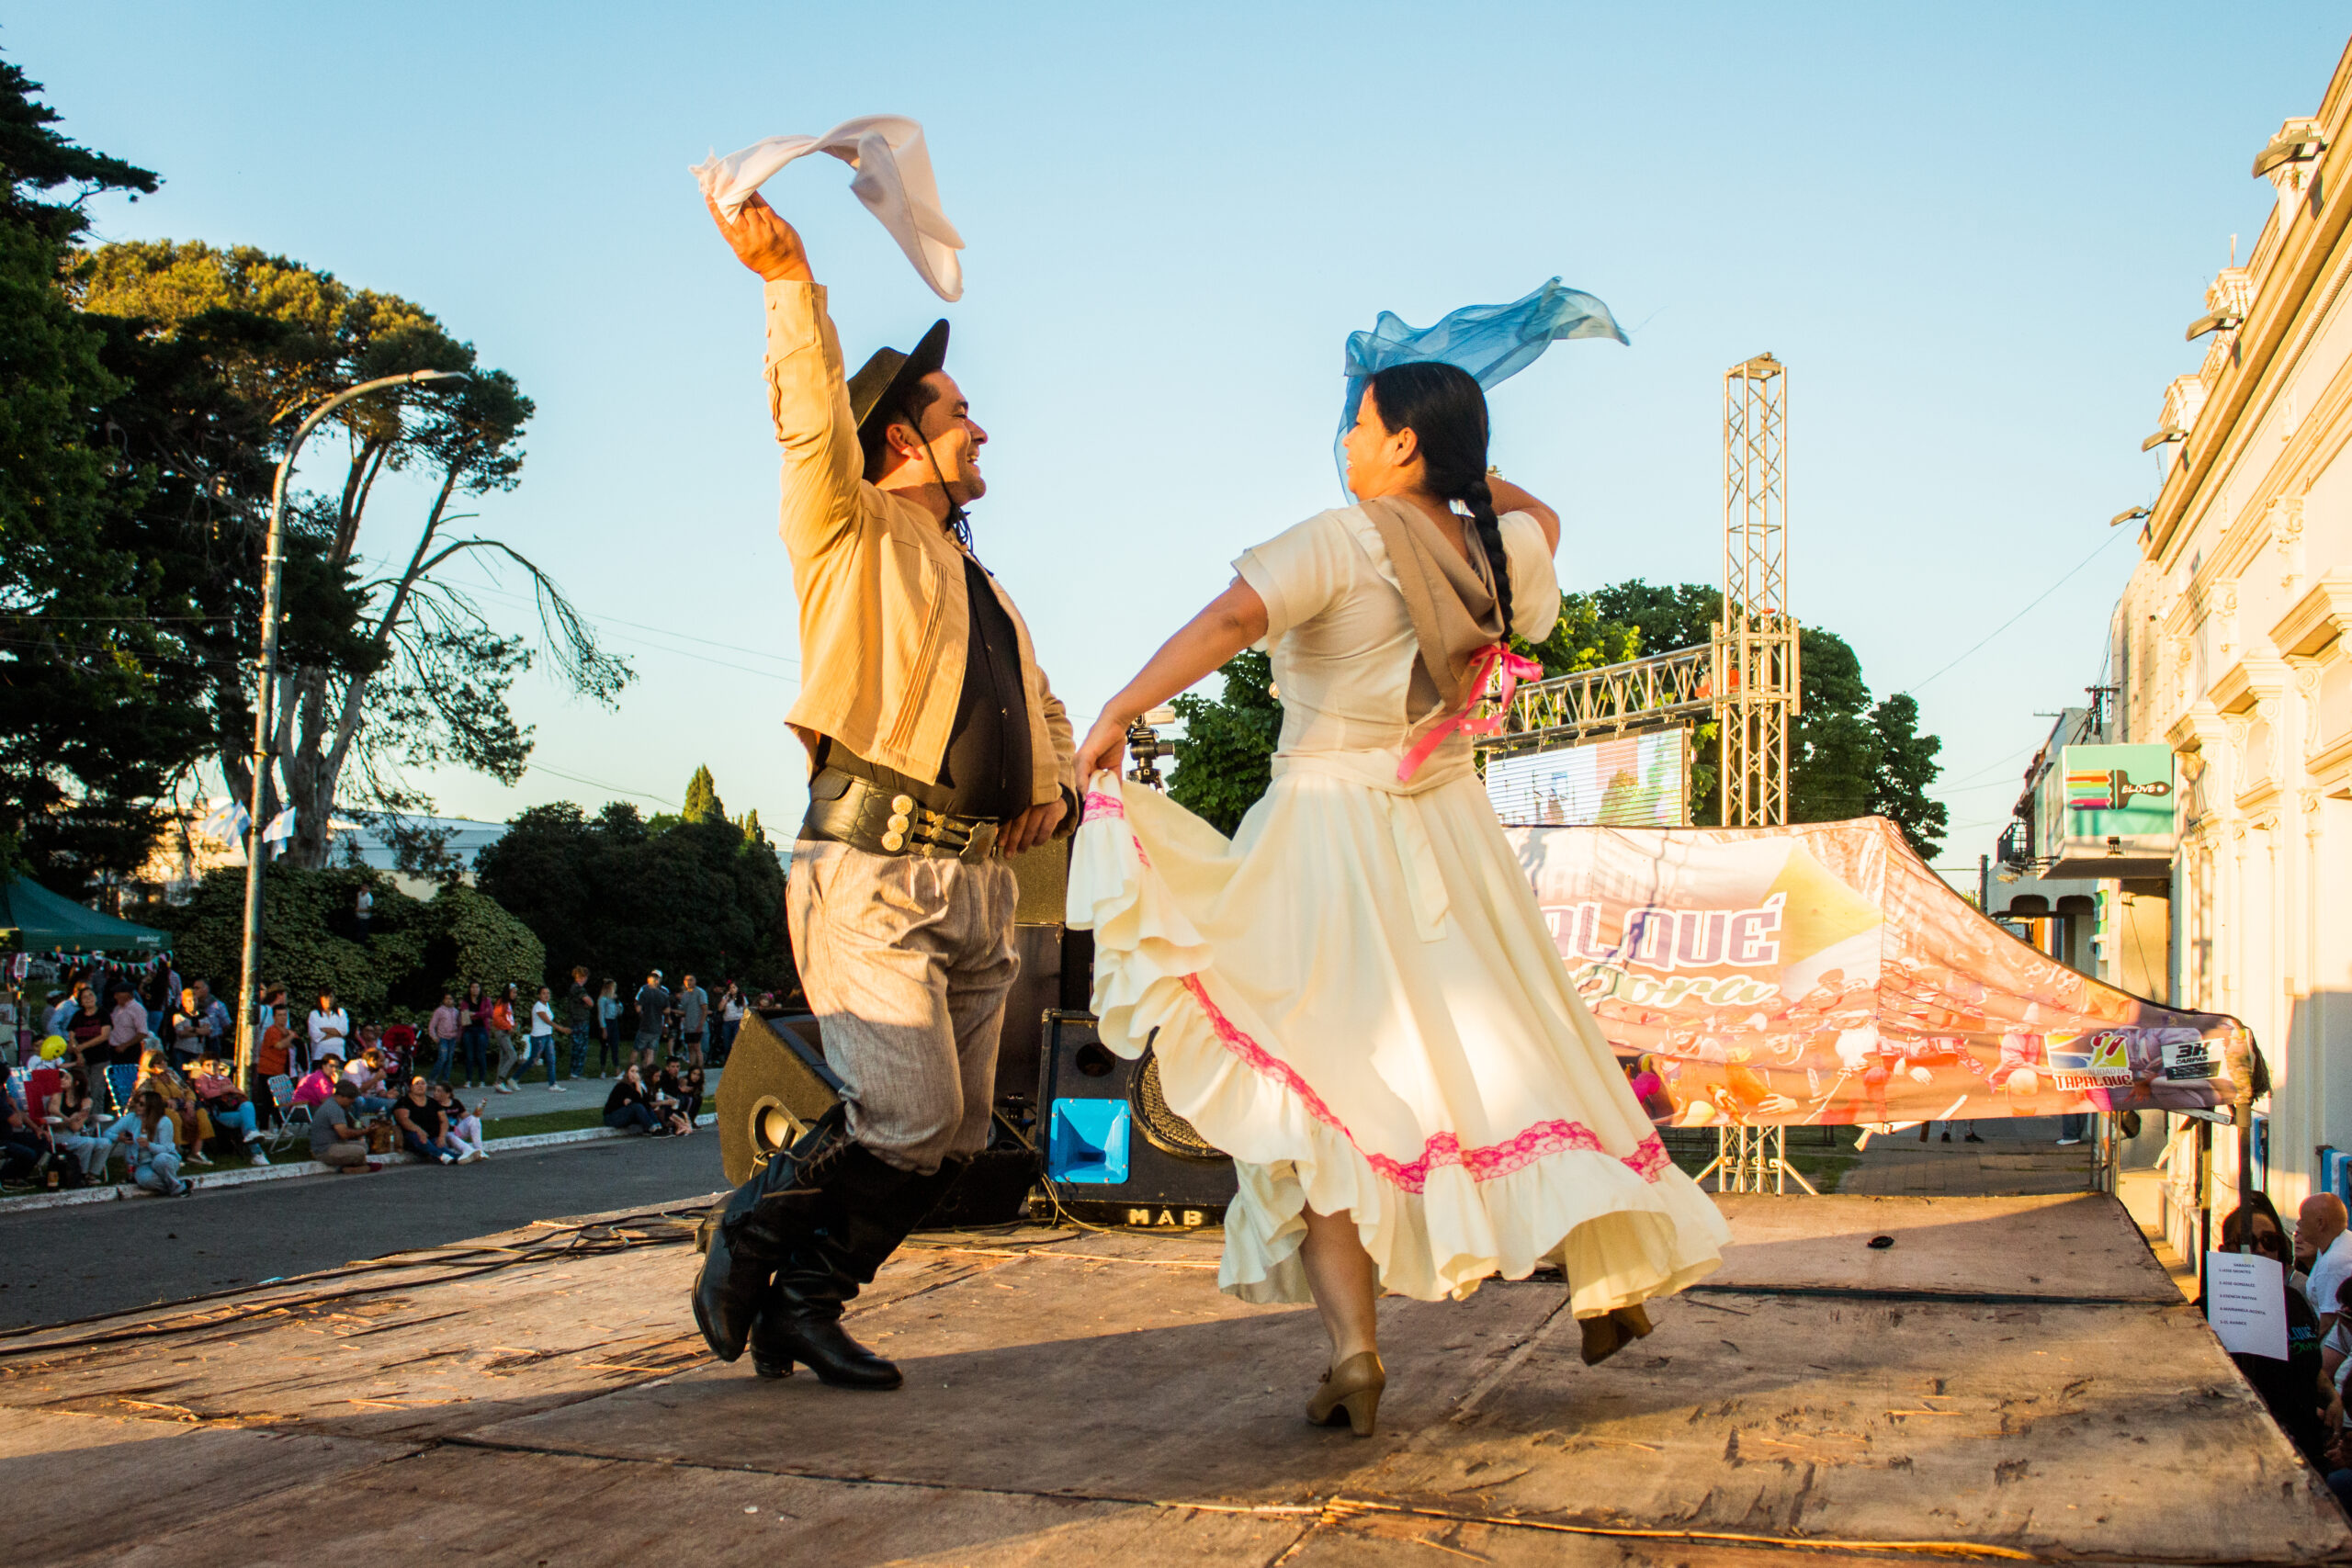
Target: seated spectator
{"x":689,"y":1093}
{"x":191,"y":1126}
{"x":153,"y":1156}
{"x":57,"y":1105}
{"x":464,"y":1126}
{"x":2301,"y":1399}
{"x":628,"y":1107}
{"x":336,"y":1138}
{"x":230,"y":1111}
{"x":667,"y":1095}
{"x":367,"y":1075}
{"x":419,"y":1119}
{"x":26,"y":1156}
{"x":319,"y":1082}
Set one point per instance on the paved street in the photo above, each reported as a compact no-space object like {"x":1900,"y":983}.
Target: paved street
{"x":102,"y":1257}
{"x":2017,"y":1155}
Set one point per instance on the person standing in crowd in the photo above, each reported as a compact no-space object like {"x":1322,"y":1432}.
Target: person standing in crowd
{"x":463,"y":1126}
{"x":86,"y":1031}
{"x":273,"y":1057}
{"x":502,"y":1038}
{"x":153,"y":1157}
{"x":694,"y":1018}
{"x":473,"y":1014}
{"x":443,"y":1030}
{"x":126,"y":1024}
{"x":543,"y":1033}
{"x":363,"y":907}
{"x":652,"y":1006}
{"x":628,"y":1107}
{"x":608,"y":1030}
{"x":730,"y":1019}
{"x":578,"y":1013}
{"x":336,"y":1138}
{"x":329,"y":1029}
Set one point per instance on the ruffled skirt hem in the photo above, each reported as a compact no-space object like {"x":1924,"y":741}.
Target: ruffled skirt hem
{"x":1622,"y":1228}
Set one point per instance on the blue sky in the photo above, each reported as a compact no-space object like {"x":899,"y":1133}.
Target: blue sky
{"x":1973,"y":234}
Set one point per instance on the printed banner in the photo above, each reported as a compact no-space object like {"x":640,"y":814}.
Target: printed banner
{"x":1820,"y":974}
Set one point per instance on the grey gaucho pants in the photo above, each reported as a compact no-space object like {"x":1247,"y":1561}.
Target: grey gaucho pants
{"x":906,"y":962}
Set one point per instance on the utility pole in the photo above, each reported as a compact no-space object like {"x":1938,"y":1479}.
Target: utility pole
{"x":272,"y":587}
{"x":1756,"y":667}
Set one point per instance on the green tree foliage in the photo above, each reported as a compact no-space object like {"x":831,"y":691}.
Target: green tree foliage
{"x":218,"y":350}
{"x":620,"y":895}
{"x":309,"y":938}
{"x":1847,"y":757}
{"x":1225,"y":758}
{"x":92,"y":722}
{"x":702,"y":799}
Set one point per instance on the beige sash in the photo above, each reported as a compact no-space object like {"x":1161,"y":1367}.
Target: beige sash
{"x":1450,"y":599}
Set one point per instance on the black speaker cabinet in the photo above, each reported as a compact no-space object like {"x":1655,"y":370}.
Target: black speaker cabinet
{"x":1114,"y":1153}
{"x":776,"y":1084}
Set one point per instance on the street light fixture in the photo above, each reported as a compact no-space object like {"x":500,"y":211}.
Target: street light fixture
{"x":273,"y":579}
{"x":2222,"y":321}
{"x":2132,"y":514}
{"x":2169,"y":433}
{"x":2298,"y":141}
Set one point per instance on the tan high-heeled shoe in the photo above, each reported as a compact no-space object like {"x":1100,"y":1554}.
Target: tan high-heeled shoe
{"x":1352,"y":1386}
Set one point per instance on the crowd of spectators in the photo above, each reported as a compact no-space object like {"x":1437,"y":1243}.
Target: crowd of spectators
{"x":136,"y":1065}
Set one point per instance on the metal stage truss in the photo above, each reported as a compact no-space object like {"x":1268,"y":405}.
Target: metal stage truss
{"x":1756,"y":677}
{"x":1641,"y":694}
{"x":1746,"y":1157}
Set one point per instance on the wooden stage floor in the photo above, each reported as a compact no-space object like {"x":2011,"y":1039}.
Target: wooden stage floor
{"x":2013,"y":1379}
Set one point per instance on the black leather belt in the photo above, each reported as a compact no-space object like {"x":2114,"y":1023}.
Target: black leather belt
{"x":849,"y":810}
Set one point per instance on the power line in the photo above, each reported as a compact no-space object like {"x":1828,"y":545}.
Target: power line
{"x":2021,"y":614}
{"x":600,"y":783}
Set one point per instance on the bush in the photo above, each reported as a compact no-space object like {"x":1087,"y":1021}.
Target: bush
{"x":310,"y":940}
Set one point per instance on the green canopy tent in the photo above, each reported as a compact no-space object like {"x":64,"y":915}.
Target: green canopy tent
{"x":37,"y":920}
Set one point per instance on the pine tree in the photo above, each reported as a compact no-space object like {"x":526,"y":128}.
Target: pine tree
{"x":702,"y":799}
{"x":752,"y":833}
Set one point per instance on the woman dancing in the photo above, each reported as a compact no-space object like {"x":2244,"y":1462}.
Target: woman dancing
{"x":1356,"y":997}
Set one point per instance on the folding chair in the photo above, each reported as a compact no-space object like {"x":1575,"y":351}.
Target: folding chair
{"x":290,"y":1117}
{"x":122,"y":1079}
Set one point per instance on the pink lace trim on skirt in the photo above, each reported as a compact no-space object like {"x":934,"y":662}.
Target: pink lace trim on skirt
{"x":1648,"y":1160}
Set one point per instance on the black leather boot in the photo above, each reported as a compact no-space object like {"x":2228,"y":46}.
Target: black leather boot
{"x":764,"y":1218}
{"x":800,"y":1314}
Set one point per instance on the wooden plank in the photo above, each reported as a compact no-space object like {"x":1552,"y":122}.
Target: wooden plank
{"x":518,"y":1510}
{"x":90,"y":1484}
{"x":2079,"y":1246}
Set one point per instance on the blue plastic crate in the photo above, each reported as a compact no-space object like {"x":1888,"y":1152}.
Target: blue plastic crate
{"x":1087,"y":1142}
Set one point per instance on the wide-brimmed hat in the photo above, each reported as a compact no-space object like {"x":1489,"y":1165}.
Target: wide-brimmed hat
{"x":877,"y":392}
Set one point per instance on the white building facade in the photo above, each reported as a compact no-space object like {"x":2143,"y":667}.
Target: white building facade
{"x":2231,"y":645}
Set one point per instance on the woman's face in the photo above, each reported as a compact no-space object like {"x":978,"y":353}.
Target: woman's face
{"x":2267,"y":1239}
{"x":1379,"y":463}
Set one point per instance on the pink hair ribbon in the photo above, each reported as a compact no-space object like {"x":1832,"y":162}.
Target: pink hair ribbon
{"x":1514,"y":668}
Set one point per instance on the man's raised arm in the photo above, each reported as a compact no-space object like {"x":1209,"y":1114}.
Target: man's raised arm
{"x":808,"y":397}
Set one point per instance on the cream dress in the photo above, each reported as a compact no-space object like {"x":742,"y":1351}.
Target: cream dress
{"x":1356,"y":996}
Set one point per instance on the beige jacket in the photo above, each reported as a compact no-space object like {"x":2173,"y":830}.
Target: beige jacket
{"x":883,"y":619}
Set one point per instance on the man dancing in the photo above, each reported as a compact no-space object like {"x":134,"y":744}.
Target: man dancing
{"x":935,"y":742}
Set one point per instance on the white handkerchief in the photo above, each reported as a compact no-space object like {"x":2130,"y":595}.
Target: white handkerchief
{"x":894,"y":180}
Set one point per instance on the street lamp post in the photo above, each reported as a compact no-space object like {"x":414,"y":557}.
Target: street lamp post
{"x":273,"y":577}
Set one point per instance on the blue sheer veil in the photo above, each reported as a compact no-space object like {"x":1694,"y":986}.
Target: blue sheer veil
{"x":1493,"y":343}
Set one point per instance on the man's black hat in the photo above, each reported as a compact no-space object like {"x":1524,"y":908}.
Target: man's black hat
{"x":877,"y":392}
